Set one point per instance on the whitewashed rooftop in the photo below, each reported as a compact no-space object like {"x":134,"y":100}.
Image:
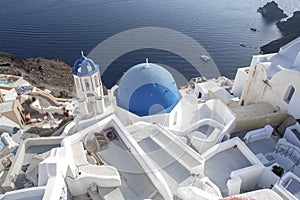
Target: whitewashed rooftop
{"x":288,"y":58}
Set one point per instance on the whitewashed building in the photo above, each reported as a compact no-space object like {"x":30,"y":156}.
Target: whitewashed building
{"x":273,"y":78}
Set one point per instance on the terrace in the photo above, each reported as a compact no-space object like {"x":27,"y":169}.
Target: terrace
{"x":225,"y":162}
{"x":24,"y":170}
{"x":238,"y":169}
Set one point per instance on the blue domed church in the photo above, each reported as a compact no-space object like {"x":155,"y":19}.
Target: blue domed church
{"x":88,"y":86}
{"x":147,"y":89}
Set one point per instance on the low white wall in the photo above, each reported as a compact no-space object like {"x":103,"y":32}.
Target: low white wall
{"x":219,"y":108}
{"x":267,"y":178}
{"x":201,"y":145}
{"x":290,"y":136}
{"x":259,"y":134}
{"x":234,"y":185}
{"x":239,"y":81}
{"x":56,"y":189}
{"x":26,"y":194}
{"x":128,"y":118}
{"x":195,"y":193}
{"x":195,"y":126}
{"x":280,"y":186}
{"x":249,"y":176}
{"x":228,"y":144}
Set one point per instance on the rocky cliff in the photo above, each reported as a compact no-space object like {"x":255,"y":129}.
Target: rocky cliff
{"x":271,"y":11}
{"x":290,"y":30}
{"x":54,"y":75}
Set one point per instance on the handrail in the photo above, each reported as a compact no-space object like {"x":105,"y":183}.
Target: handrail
{"x":287,"y":150}
{"x":290,"y":154}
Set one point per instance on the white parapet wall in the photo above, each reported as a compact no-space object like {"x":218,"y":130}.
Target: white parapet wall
{"x":25,"y":194}
{"x":240,"y":179}
{"x":240,"y":81}
{"x":285,"y":188}
{"x":267,"y":178}
{"x":244,"y":179}
{"x":259,"y":134}
{"x":290,"y":136}
{"x":213,"y":113}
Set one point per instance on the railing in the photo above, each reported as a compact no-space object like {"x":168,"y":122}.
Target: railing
{"x":290,"y":152}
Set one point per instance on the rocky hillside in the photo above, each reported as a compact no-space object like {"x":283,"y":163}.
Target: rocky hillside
{"x":54,"y":75}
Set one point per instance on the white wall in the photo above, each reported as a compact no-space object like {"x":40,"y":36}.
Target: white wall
{"x":267,"y":178}
{"x":280,"y":186}
{"x":220,"y":108}
{"x":25,"y":194}
{"x":253,"y":90}
{"x":128,"y":118}
{"x":94,"y":85}
{"x":240,"y":81}
{"x":257,"y":90}
{"x":249,"y":176}
{"x":176,"y":116}
{"x":294,"y":103}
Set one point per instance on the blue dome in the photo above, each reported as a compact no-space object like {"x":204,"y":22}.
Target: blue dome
{"x":147,"y":89}
{"x":84,"y":67}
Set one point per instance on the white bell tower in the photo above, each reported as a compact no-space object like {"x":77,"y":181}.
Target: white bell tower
{"x":88,"y":86}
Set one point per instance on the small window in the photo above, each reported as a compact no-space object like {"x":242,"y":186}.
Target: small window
{"x":242,"y":102}
{"x":199,"y":95}
{"x":289,"y":94}
{"x":87,"y":85}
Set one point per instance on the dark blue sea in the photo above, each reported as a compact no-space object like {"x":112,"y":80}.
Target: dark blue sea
{"x":62,"y":28}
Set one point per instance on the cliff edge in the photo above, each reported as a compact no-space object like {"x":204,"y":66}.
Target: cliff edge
{"x":290,"y":30}
{"x":54,"y":75}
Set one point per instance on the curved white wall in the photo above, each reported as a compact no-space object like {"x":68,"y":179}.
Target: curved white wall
{"x":260,"y":89}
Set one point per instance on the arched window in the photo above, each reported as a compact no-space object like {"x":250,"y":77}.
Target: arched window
{"x":87,"y":85}
{"x":289,"y":94}
{"x":199,"y":95}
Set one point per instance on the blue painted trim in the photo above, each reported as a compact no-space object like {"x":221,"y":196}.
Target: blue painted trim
{"x":83,"y":63}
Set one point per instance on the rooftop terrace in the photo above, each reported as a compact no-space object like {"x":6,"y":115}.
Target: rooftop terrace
{"x":224,"y":163}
